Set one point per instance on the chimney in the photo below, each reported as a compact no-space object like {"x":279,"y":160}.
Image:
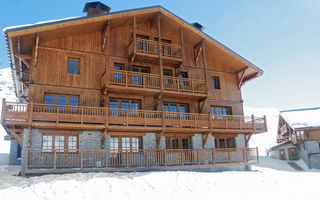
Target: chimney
{"x":198,"y":26}
{"x":95,"y":8}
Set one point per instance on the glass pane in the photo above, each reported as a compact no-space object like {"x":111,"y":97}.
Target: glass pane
{"x":49,"y":99}
{"x":61,"y":100}
{"x":124,"y":104}
{"x":59,"y":142}
{"x":134,"y":105}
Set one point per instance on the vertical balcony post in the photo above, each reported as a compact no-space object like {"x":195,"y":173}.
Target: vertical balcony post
{"x":244,"y":155}
{"x":182,"y":157}
{"x":258,"y":159}
{"x":3,"y":113}
{"x":55,"y":160}
{"x":265,"y":123}
{"x":213,"y":156}
{"x":253,"y":123}
{"x":81,"y":159}
{"x":127,"y":155}
{"x":81,"y":114}
{"x":147,"y":154}
{"x":198,"y":157}
{"x":229,"y":156}
{"x":57,"y":120}
{"x":165,"y":157}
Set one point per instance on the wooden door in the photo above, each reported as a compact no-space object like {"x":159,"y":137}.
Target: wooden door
{"x":282,"y":154}
{"x":292,"y":153}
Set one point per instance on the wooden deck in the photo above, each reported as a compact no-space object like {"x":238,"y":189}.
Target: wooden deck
{"x":149,"y":49}
{"x":99,"y":118}
{"x":64,"y":160}
{"x":126,"y":81}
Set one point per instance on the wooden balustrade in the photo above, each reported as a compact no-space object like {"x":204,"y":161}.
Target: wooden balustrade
{"x":150,"y":47}
{"x":152,"y":81}
{"x":144,"y":159}
{"x":122,"y":117}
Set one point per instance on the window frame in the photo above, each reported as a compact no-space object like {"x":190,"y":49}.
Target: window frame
{"x":216,"y":113}
{"x":177,"y":142}
{"x":73,"y":59}
{"x":216,"y":83}
{"x":120,"y":143}
{"x":222,"y":142}
{"x":67,"y":98}
{"x":66,"y":138}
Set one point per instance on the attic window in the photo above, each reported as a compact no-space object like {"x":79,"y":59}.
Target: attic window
{"x":73,"y":65}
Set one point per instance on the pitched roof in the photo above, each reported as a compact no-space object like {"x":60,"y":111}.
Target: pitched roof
{"x":302,"y":118}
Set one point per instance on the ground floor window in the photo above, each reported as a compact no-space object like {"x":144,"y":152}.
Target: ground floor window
{"x":178,"y":142}
{"x":126,"y":143}
{"x":225,"y":142}
{"x":60,"y":142}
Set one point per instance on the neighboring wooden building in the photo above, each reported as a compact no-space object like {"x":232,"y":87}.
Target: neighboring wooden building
{"x":299,"y":136}
{"x":132,"y":90}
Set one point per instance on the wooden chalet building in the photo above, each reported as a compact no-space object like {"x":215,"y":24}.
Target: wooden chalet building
{"x":299,"y":136}
{"x":133,"y":90}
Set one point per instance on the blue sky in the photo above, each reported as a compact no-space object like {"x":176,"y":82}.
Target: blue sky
{"x":281,"y":37}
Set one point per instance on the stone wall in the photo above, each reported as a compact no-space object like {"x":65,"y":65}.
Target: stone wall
{"x":240,"y":141}
{"x":90,"y":140}
{"x":13,"y":160}
{"x":149,"y":141}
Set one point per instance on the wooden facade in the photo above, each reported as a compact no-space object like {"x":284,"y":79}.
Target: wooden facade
{"x":159,"y":73}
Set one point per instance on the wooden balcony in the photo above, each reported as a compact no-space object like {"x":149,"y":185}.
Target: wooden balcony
{"x":145,"y":83}
{"x":99,"y":118}
{"x":81,"y":160}
{"x":148,"y":50}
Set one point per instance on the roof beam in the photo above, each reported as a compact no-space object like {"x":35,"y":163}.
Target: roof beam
{"x":251,"y":76}
{"x":24,"y":58}
{"x":36,"y":49}
{"x":241,"y":76}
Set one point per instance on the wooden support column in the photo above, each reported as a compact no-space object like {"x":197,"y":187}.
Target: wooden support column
{"x":103,"y":137}
{"x":182,"y":46}
{"x":160,"y":52}
{"x":36,"y":50}
{"x":108,"y":36}
{"x":134,"y":37}
{"x":205,"y":66}
{"x":30,"y":111}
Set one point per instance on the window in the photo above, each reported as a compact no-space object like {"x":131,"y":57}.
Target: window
{"x":168,"y":82}
{"x":59,"y":142}
{"x":139,"y":79}
{"x":72,"y":142}
{"x":141,"y":43}
{"x":125,"y":143}
{"x":174,"y":108}
{"x":125,"y":104}
{"x":224,"y":142}
{"x":218,"y":112}
{"x":73,"y":65}
{"x":178,"y":142}
{"x":182,"y":82}
{"x":216,"y":83}
{"x":61,"y":99}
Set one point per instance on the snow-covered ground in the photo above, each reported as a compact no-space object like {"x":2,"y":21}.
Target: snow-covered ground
{"x":273,"y":179}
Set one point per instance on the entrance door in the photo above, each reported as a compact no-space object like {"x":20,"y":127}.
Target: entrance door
{"x":282,"y":154}
{"x":292,"y":153}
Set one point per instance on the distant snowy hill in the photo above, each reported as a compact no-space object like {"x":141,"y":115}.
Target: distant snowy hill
{"x":263,"y":140}
{"x":6,"y":91}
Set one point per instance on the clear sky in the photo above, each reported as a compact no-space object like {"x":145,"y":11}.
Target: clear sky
{"x":280,"y":36}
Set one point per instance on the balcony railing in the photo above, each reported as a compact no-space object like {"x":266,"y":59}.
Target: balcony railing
{"x":20,"y":113}
{"x":150,"y":47}
{"x":144,"y":159}
{"x":131,"y":79}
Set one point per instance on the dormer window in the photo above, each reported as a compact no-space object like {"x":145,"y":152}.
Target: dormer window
{"x":73,"y":65}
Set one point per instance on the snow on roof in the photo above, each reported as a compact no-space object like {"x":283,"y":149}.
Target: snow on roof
{"x":302,"y":118}
{"x":37,"y":23}
{"x":281,"y":144}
